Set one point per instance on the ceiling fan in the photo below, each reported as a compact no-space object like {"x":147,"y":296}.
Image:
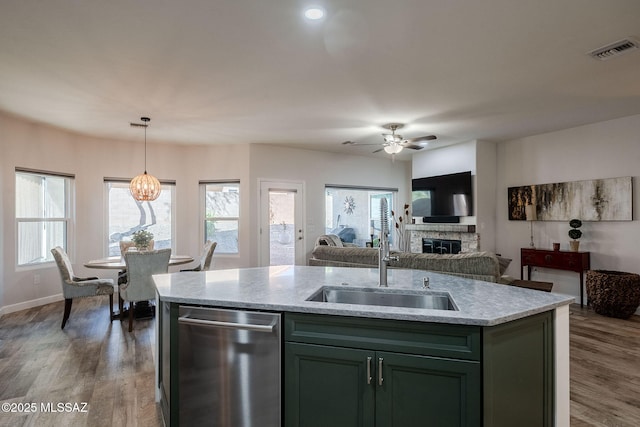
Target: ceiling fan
{"x":393,"y":143}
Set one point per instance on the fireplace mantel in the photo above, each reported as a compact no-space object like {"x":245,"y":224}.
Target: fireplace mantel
{"x":451,"y":228}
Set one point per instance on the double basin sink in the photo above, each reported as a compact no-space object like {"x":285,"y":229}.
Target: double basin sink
{"x":385,"y":297}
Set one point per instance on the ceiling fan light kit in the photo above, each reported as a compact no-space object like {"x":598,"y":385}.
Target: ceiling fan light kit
{"x":394,"y":143}
{"x":393,"y":148}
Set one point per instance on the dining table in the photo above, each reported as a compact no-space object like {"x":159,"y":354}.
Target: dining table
{"x":117,"y":262}
{"x":142,"y":310}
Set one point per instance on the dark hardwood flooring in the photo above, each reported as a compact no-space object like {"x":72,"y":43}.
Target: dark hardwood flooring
{"x":112,"y":370}
{"x":91,"y":360}
{"x":605,"y":369}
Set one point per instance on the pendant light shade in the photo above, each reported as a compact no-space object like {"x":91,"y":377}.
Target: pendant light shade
{"x":145,"y":187}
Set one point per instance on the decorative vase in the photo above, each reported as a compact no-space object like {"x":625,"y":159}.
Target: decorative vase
{"x":144,"y":247}
{"x":575,"y":245}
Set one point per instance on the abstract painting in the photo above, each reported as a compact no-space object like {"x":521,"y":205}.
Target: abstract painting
{"x":607,"y":199}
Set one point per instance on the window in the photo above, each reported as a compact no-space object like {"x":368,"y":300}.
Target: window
{"x":125,"y":215}
{"x":222,"y":214}
{"x":43,"y":214}
{"x":353,"y":213}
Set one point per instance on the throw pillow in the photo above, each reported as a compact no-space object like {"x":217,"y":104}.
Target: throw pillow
{"x":504,"y":263}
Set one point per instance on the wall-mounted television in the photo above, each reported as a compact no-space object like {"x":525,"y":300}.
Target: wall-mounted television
{"x":442,"y":198}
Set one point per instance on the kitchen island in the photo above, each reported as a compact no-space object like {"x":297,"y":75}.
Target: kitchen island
{"x":498,"y":356}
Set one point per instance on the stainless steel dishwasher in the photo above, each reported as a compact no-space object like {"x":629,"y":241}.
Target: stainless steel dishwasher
{"x":229,"y":368}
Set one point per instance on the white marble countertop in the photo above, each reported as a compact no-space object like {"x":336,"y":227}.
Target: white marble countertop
{"x":286,"y":288}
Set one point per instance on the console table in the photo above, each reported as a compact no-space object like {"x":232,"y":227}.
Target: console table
{"x":558,"y":260}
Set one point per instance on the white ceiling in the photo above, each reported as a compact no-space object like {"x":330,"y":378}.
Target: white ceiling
{"x":255,"y":71}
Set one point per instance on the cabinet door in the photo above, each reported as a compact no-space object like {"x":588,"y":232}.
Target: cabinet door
{"x":327,"y":386}
{"x":427,"y":391}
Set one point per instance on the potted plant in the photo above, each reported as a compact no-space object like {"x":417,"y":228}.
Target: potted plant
{"x":142,"y":239}
{"x":575,"y":234}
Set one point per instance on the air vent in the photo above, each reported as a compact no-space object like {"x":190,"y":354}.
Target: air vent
{"x":615,"y":49}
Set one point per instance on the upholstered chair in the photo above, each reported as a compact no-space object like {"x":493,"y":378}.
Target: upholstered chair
{"x":205,"y":257}
{"x":79,"y":287}
{"x":139,"y":285}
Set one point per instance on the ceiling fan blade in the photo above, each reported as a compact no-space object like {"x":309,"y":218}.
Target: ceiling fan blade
{"x":378,"y":150}
{"x":413,"y":146}
{"x":360,"y":145}
{"x":421,"y":139}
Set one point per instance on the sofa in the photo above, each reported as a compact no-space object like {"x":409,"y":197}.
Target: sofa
{"x":472,"y":265}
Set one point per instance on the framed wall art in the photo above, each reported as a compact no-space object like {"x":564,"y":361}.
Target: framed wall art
{"x":607,"y":199}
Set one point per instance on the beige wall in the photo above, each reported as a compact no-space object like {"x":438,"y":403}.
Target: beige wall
{"x":317,"y":169}
{"x":36,"y":146}
{"x":601,"y":150}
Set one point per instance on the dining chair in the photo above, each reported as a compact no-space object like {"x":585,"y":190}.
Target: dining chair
{"x":205,"y":257}
{"x":79,"y":287}
{"x":139,"y":285}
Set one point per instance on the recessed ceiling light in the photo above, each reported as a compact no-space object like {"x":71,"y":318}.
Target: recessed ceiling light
{"x":314,"y":13}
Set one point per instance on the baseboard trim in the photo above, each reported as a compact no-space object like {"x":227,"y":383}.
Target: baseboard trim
{"x":30,"y":304}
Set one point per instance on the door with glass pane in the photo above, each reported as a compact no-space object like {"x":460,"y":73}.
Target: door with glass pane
{"x":281,"y":220}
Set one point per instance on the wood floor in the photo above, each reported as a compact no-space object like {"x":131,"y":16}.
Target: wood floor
{"x":605,"y":370}
{"x":99,"y":363}
{"x":92,"y":361}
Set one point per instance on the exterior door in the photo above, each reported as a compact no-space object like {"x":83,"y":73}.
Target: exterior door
{"x":281,"y":223}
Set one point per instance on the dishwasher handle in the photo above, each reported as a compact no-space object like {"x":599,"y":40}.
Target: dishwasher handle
{"x":229,"y":325}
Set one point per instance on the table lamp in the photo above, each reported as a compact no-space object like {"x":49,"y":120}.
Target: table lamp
{"x":530,"y":215}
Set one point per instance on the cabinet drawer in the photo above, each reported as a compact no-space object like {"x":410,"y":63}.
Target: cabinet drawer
{"x":561,"y":260}
{"x":543,"y":259}
{"x":429,"y":339}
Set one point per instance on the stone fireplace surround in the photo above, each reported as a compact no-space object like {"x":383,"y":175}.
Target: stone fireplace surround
{"x":469,"y":239}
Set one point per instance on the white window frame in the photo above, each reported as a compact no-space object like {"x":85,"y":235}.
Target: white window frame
{"x":68,"y":220}
{"x":203,"y":213}
{"x":371,"y":215}
{"x":124,"y":182}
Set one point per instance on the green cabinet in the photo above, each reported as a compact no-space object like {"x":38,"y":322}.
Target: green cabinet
{"x":360,"y":372}
{"x":365,"y":384}
{"x":167,"y":351}
{"x":343,"y":371}
{"x":441,"y":392}
{"x":327,"y":386}
{"x":518,"y":372}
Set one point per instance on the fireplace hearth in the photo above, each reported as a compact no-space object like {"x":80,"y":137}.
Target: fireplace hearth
{"x":441,"y":246}
{"x":464,"y":234}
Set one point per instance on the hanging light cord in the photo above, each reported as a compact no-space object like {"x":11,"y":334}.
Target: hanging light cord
{"x":146,"y":121}
{"x":145,"y":187}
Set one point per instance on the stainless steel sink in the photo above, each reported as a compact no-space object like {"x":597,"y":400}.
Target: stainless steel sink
{"x":389,"y":298}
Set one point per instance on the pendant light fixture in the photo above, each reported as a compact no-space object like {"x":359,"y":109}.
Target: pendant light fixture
{"x":145,"y":187}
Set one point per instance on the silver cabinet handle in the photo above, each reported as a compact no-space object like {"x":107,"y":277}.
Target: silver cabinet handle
{"x":369,"y":377}
{"x":380,"y":379}
{"x":199,"y":322}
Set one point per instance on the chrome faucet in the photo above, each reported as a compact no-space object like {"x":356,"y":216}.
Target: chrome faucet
{"x":384,"y":257}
